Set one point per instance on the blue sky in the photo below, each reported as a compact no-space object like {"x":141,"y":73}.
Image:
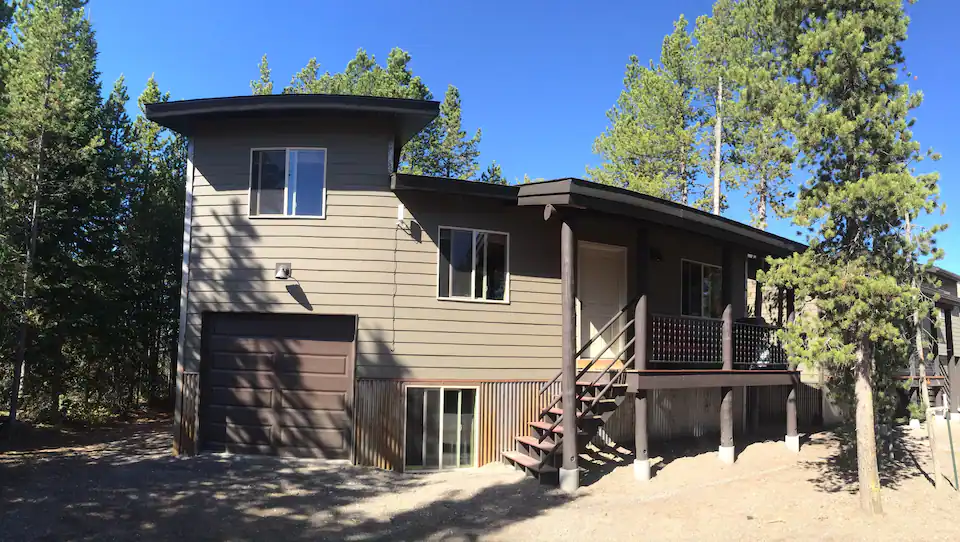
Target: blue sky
{"x":537,"y":77}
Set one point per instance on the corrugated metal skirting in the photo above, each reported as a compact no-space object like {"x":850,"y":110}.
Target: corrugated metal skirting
{"x":506,"y":409}
{"x":378,"y":424}
{"x":772,"y":406}
{"x":674,"y":414}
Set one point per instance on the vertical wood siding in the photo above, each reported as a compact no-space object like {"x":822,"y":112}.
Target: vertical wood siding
{"x":506,"y":409}
{"x":378,"y":423}
{"x":185,"y":441}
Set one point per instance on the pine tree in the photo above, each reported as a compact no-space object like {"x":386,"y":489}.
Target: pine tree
{"x":853,"y":133}
{"x":50,"y":135}
{"x":761,"y":161}
{"x":493,"y":174}
{"x":442,"y":148}
{"x":650,"y":145}
{"x":717,"y":51}
{"x":264,"y":85}
{"x":455,"y":154}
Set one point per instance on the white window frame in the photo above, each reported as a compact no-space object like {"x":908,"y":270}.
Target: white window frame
{"x":704,"y":264}
{"x":473,"y":268}
{"x":286,"y":184}
{"x":474,"y":463}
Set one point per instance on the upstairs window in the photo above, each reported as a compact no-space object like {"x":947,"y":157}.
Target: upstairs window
{"x":473,"y":265}
{"x":700,"y":288}
{"x":288,"y":182}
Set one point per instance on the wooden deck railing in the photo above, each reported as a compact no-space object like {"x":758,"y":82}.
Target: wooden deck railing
{"x":686,"y":340}
{"x":755,"y":346}
{"x":697,"y":342}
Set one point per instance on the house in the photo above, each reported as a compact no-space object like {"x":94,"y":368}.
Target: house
{"x":940,"y":331}
{"x":333,"y":307}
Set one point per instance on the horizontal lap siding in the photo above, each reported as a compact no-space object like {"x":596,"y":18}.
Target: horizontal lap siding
{"x":357,"y":261}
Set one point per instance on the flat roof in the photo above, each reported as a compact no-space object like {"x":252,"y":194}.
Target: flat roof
{"x":406,"y":116}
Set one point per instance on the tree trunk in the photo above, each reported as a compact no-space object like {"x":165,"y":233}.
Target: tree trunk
{"x":918,"y":336}
{"x":717,"y":134}
{"x":762,"y":203}
{"x":867,"y":471}
{"x":684,"y":186}
{"x":19,"y":368}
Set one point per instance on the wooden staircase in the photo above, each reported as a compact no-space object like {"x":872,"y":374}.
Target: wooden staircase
{"x":600,"y":389}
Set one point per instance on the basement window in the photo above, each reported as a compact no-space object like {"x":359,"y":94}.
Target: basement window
{"x":473,"y":265}
{"x":441,"y":425}
{"x":700,"y":288}
{"x":288,"y":183}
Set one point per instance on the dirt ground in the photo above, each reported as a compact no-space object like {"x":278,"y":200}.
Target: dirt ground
{"x":121,"y":483}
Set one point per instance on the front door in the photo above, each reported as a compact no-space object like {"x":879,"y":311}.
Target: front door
{"x":601,"y":293}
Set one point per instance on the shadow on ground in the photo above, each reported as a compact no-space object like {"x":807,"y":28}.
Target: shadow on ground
{"x":126,"y":485}
{"x":899,"y":459}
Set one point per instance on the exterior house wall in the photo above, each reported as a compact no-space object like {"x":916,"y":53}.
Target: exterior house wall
{"x":360,"y":261}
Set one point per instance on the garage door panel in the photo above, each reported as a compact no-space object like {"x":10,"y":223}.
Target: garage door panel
{"x":242,"y":434}
{"x":265,"y":345}
{"x":324,"y":383}
{"x":332,"y":441}
{"x":240,"y":397}
{"x":243,"y":415}
{"x":278,"y":384}
{"x":339,"y":328}
{"x":312,"y":400}
{"x":312,"y":364}
{"x":240,"y":361}
{"x":317,"y":419}
{"x":260,"y":380}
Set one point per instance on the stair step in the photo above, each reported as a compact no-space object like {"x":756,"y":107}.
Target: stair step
{"x":600,"y":384}
{"x":533,"y":441}
{"x":590,"y":398}
{"x":581,"y":415}
{"x":558,"y":429}
{"x":529,"y":462}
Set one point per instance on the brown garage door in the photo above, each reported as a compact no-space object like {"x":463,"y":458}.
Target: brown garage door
{"x":277,"y":384}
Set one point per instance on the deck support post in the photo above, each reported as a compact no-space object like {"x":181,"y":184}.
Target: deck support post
{"x":569,"y":471}
{"x":727,"y":450}
{"x":793,"y":437}
{"x":641,"y":461}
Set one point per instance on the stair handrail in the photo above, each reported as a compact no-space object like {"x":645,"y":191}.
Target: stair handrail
{"x":628,"y":325}
{"x":596,"y":336}
{"x":579,"y":396}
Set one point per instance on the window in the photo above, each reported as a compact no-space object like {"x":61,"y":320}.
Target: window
{"x":473,"y":265}
{"x":288,"y":182}
{"x":441,"y":427}
{"x":701,"y":289}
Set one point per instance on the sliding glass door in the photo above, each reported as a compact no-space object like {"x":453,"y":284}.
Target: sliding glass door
{"x":440,"y":428}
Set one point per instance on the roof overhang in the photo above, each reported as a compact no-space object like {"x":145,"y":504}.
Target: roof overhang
{"x":581,"y":194}
{"x":407,"y":117}
{"x":404,"y":182}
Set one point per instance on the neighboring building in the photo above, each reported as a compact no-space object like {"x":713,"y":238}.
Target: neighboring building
{"x":332,"y":307}
{"x":939,"y":335}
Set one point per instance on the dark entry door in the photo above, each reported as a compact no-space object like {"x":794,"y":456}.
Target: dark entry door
{"x":277,"y":384}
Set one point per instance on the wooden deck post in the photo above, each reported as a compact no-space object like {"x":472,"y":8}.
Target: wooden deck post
{"x":793,"y":437}
{"x":641,"y":462}
{"x":569,"y":472}
{"x":727,"y":451}
{"x":758,"y":293}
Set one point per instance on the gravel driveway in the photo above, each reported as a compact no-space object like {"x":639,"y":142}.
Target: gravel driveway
{"x":123,"y":484}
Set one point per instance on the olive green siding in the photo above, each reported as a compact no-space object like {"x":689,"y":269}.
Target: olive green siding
{"x":358,"y":260}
